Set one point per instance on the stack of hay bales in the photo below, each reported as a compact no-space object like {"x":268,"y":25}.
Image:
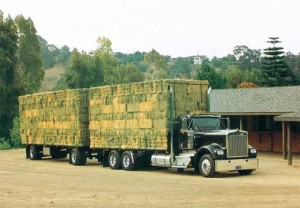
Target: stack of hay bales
{"x":137,"y":115}
{"x":55,"y":118}
{"x":128,"y":116}
{"x":190,"y":96}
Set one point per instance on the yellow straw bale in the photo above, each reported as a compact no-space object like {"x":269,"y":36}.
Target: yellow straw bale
{"x":147,"y":106}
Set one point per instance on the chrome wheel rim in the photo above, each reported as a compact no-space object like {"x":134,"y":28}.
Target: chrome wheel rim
{"x":74,"y":158}
{"x":126,"y":161}
{"x":31,"y":151}
{"x":206,"y":166}
{"x":112,"y":160}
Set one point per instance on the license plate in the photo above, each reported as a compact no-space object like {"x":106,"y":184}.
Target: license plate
{"x":238,"y":167}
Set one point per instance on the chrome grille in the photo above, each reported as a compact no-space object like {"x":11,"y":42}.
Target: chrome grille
{"x":237,"y":145}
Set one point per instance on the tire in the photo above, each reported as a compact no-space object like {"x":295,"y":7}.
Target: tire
{"x":77,"y":157}
{"x":114,"y":159}
{"x":207,"y":166}
{"x":83,"y":157}
{"x":127,"y":161}
{"x":104,"y":156}
{"x":245,"y":172}
{"x":70,"y":158}
{"x":34,"y":153}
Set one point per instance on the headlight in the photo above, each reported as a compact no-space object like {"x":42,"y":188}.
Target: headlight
{"x":253,"y":151}
{"x":219,"y":152}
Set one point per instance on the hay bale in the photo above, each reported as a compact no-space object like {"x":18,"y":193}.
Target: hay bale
{"x":55,"y":118}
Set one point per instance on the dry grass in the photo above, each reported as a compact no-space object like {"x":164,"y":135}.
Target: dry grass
{"x":55,"y":183}
{"x":51,"y":77}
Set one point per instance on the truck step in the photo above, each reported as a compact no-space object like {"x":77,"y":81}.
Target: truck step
{"x":179,"y":166}
{"x":181,"y":161}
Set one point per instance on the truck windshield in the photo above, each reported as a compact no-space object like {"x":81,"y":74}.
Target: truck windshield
{"x":206,"y":123}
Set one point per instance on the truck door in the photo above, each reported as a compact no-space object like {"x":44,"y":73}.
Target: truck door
{"x":185,"y":139}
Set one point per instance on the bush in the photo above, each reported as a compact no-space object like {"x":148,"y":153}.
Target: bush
{"x":4,"y":144}
{"x":15,"y":133}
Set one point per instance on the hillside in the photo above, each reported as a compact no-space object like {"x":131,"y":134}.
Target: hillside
{"x":51,"y":77}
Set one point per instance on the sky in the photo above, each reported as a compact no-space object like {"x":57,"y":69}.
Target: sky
{"x":178,"y":28}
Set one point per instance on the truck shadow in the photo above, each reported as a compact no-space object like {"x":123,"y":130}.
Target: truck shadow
{"x":170,"y":171}
{"x":160,"y":170}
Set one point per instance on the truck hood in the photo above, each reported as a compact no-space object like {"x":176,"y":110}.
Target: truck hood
{"x":219,"y":132}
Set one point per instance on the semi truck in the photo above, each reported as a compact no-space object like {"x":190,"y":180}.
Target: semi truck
{"x":161,"y":123}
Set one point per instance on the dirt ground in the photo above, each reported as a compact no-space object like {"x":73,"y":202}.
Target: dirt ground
{"x":55,"y":183}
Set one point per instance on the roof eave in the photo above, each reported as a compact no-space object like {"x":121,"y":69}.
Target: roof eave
{"x":251,"y":113}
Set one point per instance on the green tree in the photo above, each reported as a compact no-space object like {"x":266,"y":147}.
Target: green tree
{"x":181,"y":68}
{"x":293,"y":62}
{"x":8,"y":74}
{"x":29,"y":53}
{"x":247,"y":58}
{"x":109,"y":62}
{"x":275,"y":71}
{"x":48,"y":53}
{"x":253,"y":75}
{"x":101,"y":68}
{"x":83,"y":71}
{"x":20,"y":69}
{"x":63,"y":56}
{"x":76,"y":72}
{"x":52,"y":55}
{"x":225,"y":63}
{"x":136,"y":59}
{"x":234,"y":77}
{"x":157,"y":66}
{"x":215,"y":79}
{"x":128,"y":73}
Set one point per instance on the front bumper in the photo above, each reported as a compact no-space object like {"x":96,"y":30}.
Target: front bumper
{"x":236,"y":164}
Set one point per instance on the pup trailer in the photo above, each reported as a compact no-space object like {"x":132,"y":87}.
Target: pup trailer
{"x":132,"y":125}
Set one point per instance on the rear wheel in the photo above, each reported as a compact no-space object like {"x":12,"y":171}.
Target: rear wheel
{"x":34,"y":152}
{"x":77,"y":157}
{"x":127,"y":161}
{"x":245,"y":172}
{"x":207,"y":166}
{"x":114,"y":159}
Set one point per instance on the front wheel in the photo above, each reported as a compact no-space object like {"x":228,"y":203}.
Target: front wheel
{"x":207,"y":166}
{"x":245,"y":172}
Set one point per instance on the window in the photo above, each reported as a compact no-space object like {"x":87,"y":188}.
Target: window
{"x":264,"y":123}
{"x":234,"y":122}
{"x":183,"y":124}
{"x":295,"y":126}
{"x":206,"y":123}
